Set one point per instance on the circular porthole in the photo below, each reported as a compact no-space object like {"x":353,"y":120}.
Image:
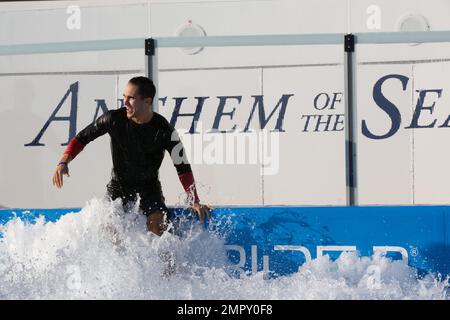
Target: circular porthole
{"x":413,"y":22}
{"x":191,"y":29}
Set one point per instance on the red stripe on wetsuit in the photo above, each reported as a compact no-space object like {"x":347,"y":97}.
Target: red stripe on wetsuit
{"x":187,"y":180}
{"x":74,"y":148}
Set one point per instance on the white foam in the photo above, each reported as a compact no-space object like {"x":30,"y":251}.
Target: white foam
{"x":77,"y":257}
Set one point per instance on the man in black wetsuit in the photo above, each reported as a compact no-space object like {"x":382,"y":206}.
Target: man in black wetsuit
{"x":139,"y":138}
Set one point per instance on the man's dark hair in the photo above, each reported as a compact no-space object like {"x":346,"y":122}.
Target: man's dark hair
{"x":146,"y":88}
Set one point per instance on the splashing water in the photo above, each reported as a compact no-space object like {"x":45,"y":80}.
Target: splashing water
{"x":102,"y":253}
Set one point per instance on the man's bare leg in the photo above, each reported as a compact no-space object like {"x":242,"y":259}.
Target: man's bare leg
{"x":157,"y":223}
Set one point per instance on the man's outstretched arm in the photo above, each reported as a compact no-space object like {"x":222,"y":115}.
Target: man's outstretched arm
{"x":62,"y":168}
{"x":188,"y":182}
{"x":179,"y":159}
{"x":77,"y":144}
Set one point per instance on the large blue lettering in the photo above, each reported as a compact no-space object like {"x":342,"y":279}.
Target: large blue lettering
{"x":259,"y":102}
{"x":196,"y":115}
{"x":387,"y":106}
{"x":220,"y":113}
{"x":72,"y":118}
{"x":101,"y":104}
{"x":420,"y":107}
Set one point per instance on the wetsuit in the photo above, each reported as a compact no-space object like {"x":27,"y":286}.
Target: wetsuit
{"x":137,"y":152}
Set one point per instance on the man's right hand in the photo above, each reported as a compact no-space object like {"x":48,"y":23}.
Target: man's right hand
{"x":61,"y":169}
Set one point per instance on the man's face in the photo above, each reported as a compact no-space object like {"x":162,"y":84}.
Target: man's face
{"x":135,"y":105}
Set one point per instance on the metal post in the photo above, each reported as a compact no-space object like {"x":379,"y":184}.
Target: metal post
{"x":151,"y":67}
{"x":350,"y":121}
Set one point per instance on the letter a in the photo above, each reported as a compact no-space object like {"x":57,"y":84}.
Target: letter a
{"x":72,"y":118}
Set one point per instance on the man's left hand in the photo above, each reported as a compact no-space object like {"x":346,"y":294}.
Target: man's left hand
{"x":202,"y":210}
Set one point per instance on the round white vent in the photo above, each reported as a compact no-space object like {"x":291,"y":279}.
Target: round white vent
{"x":191,"y":29}
{"x":413,"y":22}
